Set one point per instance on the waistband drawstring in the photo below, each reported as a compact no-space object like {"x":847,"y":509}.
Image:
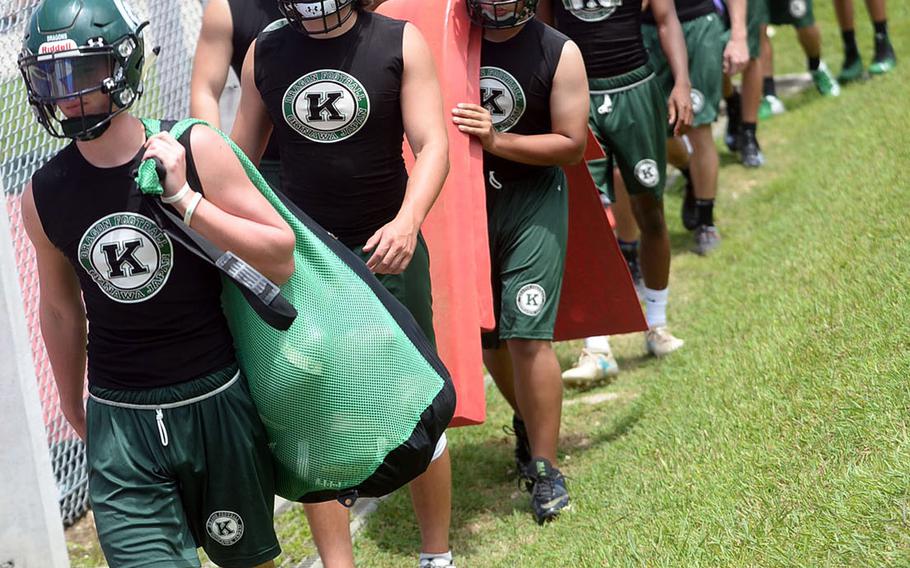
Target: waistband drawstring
{"x":162,"y":430}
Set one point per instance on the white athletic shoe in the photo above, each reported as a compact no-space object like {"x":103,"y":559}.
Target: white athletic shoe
{"x":659,"y":341}
{"x":437,"y":562}
{"x":776,"y":105}
{"x":591,"y":367}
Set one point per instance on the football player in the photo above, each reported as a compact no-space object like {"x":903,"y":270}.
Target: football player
{"x":177,"y":455}
{"x":340,"y":87}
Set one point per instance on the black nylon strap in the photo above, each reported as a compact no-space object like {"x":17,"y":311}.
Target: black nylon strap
{"x":263,"y":295}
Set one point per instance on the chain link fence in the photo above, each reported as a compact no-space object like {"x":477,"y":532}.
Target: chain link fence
{"x":24,"y":147}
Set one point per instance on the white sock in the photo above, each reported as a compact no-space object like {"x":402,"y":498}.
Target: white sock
{"x":446,"y":555}
{"x":598,"y":344}
{"x":656,"y":307}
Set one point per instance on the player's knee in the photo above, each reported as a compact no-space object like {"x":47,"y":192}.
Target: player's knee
{"x":650,"y":217}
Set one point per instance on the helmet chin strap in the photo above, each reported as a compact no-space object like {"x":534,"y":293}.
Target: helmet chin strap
{"x":87,"y":127}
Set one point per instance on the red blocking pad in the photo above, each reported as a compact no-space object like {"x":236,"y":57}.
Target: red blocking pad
{"x":598,"y":297}
{"x":456,"y":228}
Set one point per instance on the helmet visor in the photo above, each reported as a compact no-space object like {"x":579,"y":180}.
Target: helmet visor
{"x":66,"y":75}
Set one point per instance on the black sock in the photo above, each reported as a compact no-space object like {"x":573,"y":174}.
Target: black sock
{"x":705,"y":211}
{"x":733,"y":101}
{"x":851,"y":51}
{"x":881,"y":28}
{"x":882,"y":43}
{"x":814,"y":62}
{"x":629,"y":249}
{"x":769,"y":89}
{"x":749,"y":128}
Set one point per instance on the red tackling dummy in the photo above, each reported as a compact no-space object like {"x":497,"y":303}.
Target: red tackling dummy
{"x":598,"y":297}
{"x":456,"y":228}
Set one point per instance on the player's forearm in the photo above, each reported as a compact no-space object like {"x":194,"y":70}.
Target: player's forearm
{"x":204,"y":106}
{"x":673,"y":44}
{"x":268,"y":249}
{"x":64,"y":335}
{"x":538,"y":150}
{"x":431,"y":167}
{"x":737,"y":11}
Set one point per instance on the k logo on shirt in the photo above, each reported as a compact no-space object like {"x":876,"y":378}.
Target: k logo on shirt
{"x":326,"y":106}
{"x":128,"y":256}
{"x":502,"y":95}
{"x":591,"y":10}
{"x":225,"y":527}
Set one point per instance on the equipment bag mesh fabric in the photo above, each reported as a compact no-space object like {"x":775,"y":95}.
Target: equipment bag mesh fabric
{"x":353,"y":395}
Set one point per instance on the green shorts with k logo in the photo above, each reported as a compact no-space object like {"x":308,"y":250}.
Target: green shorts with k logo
{"x":629,"y":119}
{"x":706,"y":39}
{"x":528,"y":222}
{"x":176,"y":468}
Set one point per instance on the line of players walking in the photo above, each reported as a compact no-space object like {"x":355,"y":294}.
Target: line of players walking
{"x":329,"y":90}
{"x":647,"y":77}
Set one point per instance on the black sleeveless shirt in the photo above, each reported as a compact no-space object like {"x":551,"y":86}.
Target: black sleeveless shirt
{"x":336,"y":107}
{"x":516,"y":77}
{"x":154,"y":308}
{"x":686,"y":10}
{"x":249,"y":18}
{"x":609,"y":37}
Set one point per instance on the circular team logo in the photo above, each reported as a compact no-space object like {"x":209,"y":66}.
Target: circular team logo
{"x":128,"y":256}
{"x":226,"y":527}
{"x":530,"y":299}
{"x":646,"y":173}
{"x":698,"y":101}
{"x":591,"y":10}
{"x":502,"y":95}
{"x":326,"y":106}
{"x":798,"y":8}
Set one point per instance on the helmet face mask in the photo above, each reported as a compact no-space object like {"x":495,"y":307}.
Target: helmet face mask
{"x":501,"y":14}
{"x":317,"y":16}
{"x":78,"y":82}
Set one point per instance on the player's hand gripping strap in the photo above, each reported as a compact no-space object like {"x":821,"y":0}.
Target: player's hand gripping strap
{"x":263,"y":295}
{"x":353,"y":395}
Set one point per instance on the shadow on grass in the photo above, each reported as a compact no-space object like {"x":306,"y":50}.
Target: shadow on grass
{"x":485,"y":487}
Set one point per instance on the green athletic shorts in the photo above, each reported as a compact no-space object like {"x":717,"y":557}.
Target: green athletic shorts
{"x":629,"y":119}
{"x":796,"y":13}
{"x":706,"y":39}
{"x":528,"y":222}
{"x":756,"y":17}
{"x":271,"y":171}
{"x":412,"y":287}
{"x":178,"y":467}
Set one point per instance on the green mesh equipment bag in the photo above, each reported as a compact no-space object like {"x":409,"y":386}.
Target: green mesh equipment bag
{"x":353,"y":394}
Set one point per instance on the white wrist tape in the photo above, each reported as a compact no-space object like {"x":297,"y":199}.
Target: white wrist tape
{"x":177,"y":196}
{"x":188,"y":216}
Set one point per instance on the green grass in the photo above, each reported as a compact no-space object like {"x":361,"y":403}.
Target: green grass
{"x":778,"y":437}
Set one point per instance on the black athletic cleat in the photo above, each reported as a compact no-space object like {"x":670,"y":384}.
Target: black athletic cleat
{"x":750,"y":152}
{"x":522,"y":445}
{"x":689,"y":212}
{"x":549,"y":495}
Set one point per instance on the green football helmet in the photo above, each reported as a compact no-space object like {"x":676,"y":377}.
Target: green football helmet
{"x":73,"y":48}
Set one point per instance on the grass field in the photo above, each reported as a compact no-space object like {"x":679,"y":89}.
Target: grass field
{"x":779,"y":436}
